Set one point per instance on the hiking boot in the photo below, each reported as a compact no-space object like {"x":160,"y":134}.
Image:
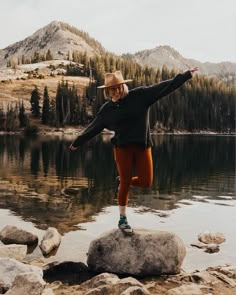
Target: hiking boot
{"x":124,"y":226}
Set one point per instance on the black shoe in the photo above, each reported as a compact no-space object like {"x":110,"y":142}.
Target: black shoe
{"x":117,"y":184}
{"x":124,"y":226}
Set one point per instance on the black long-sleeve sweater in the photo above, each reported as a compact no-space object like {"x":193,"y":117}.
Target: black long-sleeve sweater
{"x":129,"y":117}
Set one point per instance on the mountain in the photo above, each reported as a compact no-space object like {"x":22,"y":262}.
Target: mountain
{"x":62,"y":40}
{"x":166,"y":55}
{"x":58,"y":37}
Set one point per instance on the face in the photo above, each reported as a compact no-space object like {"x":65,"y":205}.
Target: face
{"x":116,"y":92}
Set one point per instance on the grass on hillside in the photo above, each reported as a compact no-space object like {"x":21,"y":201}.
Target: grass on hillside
{"x":16,"y":90}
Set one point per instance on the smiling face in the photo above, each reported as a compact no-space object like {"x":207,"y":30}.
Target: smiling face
{"x":116,"y":92}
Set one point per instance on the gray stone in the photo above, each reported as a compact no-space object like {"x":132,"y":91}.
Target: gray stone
{"x":17,"y":252}
{"x":10,"y":268}
{"x":27,"y":283}
{"x":190,"y":289}
{"x":224,"y":278}
{"x":211,"y":238}
{"x":48,"y":291}
{"x":203,"y":277}
{"x":135,"y":291}
{"x":101,"y":279}
{"x":13,"y":235}
{"x":146,"y":252}
{"x":106,"y":284}
{"x":128,"y":284}
{"x":51,"y":240}
{"x":102,"y":290}
{"x":212,"y":248}
{"x":209,"y":248}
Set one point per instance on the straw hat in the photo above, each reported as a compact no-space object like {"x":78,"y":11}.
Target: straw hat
{"x":112,"y":79}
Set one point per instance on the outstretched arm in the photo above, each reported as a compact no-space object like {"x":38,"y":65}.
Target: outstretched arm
{"x":157,"y":91}
{"x":94,"y":128}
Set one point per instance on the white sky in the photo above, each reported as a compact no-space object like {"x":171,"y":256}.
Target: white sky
{"x":201,"y":29}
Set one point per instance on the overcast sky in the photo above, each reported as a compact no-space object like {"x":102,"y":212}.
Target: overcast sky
{"x":201,"y":29}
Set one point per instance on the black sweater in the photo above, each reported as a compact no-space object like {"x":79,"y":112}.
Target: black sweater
{"x":129,"y":117}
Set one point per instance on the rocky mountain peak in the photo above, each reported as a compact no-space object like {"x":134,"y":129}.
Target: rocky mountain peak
{"x":170,"y":57}
{"x":58,"y":37}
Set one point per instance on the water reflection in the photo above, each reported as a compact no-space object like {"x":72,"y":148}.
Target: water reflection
{"x":47,"y":184}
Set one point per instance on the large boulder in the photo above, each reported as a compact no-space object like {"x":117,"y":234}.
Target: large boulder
{"x":146,"y":252}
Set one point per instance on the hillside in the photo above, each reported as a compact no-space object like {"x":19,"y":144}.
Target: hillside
{"x":58,"y":37}
{"x":16,"y":90}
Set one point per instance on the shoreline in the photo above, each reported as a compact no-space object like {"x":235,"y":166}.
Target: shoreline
{"x":77,"y":130}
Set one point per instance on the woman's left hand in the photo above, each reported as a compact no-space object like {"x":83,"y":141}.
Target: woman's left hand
{"x":72,"y":148}
{"x":193,"y":70}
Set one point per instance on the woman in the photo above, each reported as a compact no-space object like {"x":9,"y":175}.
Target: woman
{"x":127,"y":114}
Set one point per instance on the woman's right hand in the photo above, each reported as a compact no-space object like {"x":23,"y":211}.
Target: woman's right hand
{"x":72,"y":148}
{"x":193,"y":70}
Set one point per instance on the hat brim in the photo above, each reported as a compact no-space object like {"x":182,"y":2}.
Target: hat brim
{"x":123,"y":82}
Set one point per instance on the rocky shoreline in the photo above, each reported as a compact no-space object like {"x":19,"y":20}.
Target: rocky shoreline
{"x":128,"y":273}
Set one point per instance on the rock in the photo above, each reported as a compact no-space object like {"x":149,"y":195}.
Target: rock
{"x":228,"y":270}
{"x":224,"y":278}
{"x":126,"y":284}
{"x":203,"y":277}
{"x":107,"y":283}
{"x":135,"y":291}
{"x":17,"y":252}
{"x":209,"y":248}
{"x":27,"y":283}
{"x":190,"y":289}
{"x":199,"y":245}
{"x":48,"y":291}
{"x":211,"y":238}
{"x":212,"y":248}
{"x":10,"y":268}
{"x":101,"y":279}
{"x":51,"y":240}
{"x":146,"y":252}
{"x":103,"y":290}
{"x":13,"y":235}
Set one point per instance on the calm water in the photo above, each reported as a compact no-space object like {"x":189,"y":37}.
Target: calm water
{"x":43,"y":184}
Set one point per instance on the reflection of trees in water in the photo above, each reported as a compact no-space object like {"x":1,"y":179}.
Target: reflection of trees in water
{"x":191,"y":160}
{"x":62,"y":213}
{"x":178,"y":161}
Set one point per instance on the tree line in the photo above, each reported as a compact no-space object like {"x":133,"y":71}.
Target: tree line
{"x":67,"y":108}
{"x":200,"y":104}
{"x":21,"y":60}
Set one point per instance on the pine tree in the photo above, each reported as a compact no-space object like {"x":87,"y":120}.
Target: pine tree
{"x":2,"y":118}
{"x":22,"y":116}
{"x":46,"y":105}
{"x":12,"y":118}
{"x":35,"y":98}
{"x":52,"y":113}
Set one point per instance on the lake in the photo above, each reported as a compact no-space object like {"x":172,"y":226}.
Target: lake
{"x":43,"y":184}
